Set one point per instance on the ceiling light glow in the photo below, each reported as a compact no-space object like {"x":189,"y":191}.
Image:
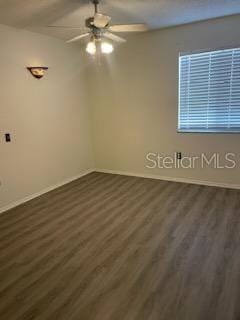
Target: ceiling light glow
{"x":91,"y":47}
{"x":106,"y":47}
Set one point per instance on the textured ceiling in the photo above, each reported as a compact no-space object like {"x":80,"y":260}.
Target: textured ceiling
{"x":35,"y":15}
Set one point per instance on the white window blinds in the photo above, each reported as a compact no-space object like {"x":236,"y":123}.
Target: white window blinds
{"x":209,"y":91}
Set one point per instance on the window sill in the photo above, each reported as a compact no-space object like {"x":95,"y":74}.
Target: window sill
{"x":209,"y":131}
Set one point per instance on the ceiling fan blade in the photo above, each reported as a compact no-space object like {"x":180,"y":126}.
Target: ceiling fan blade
{"x":139,"y":27}
{"x":68,"y":27}
{"x":113,"y":37}
{"x":100,"y":20}
{"x":78,"y":37}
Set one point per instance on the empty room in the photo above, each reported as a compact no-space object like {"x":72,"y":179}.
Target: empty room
{"x":119,"y":160}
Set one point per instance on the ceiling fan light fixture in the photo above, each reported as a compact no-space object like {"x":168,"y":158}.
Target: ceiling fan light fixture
{"x":91,"y":48}
{"x":106,"y":47}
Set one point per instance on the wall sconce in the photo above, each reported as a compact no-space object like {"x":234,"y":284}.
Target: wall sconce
{"x":37,"y":72}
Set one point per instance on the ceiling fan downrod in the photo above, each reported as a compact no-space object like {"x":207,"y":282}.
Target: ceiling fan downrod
{"x":96,"y":3}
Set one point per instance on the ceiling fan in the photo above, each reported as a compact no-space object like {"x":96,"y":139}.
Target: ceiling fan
{"x":98,"y":27}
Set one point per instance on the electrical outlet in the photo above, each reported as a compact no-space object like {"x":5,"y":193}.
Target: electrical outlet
{"x":179,"y":155}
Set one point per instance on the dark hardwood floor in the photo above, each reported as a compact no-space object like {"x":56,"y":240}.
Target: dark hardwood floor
{"x":110,"y":247}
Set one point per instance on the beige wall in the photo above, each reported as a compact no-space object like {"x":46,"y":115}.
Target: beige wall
{"x":133,"y":97}
{"x":135,"y":102}
{"x":48,"y":118}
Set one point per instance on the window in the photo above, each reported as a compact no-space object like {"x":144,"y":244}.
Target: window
{"x":209,"y":91}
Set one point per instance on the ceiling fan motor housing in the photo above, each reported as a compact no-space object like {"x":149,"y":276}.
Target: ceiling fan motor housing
{"x":89,"y":22}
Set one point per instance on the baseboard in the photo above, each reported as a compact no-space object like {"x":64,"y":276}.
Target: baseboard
{"x":183,"y":180}
{"x":125,"y":173}
{"x":46,"y":190}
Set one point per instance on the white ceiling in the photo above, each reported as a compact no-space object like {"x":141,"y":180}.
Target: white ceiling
{"x":35,"y":15}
